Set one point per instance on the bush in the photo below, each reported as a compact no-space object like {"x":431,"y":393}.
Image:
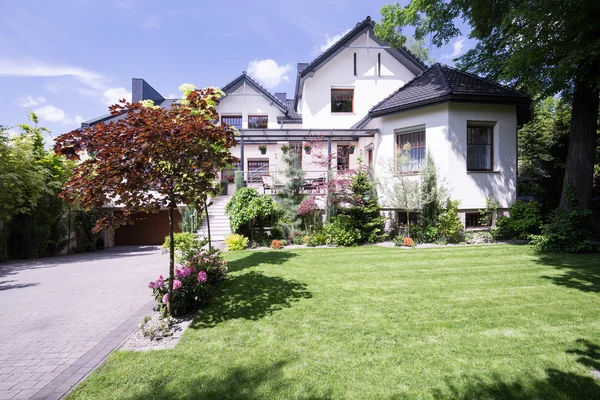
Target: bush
{"x":298,"y":239}
{"x":525,"y":220}
{"x":365,"y":212}
{"x":187,"y":244}
{"x":424,"y":234}
{"x":450,"y":227}
{"x":317,"y":239}
{"x":306,"y":239}
{"x":247,"y":205}
{"x":408,"y":242}
{"x":567,"y":232}
{"x":235,"y":242}
{"x":276,"y":244}
{"x":284,"y":242}
{"x":192,"y":284}
{"x":341,"y":232}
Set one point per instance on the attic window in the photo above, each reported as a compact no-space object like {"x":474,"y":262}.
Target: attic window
{"x":354,"y":64}
{"x":379,"y":64}
{"x":342,"y":100}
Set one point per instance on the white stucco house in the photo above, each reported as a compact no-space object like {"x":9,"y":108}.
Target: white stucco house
{"x":364,"y":99}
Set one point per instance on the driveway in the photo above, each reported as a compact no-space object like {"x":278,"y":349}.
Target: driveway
{"x":61,"y":316}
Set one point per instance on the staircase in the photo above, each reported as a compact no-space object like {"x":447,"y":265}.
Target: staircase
{"x":219,"y":222}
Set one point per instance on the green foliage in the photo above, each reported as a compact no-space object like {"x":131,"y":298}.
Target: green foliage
{"x":449,"y":224}
{"x":488,"y":214}
{"x":190,"y":219}
{"x":316,"y":239}
{"x":365,"y":212}
{"x":238,"y":180}
{"x":246,"y":205}
{"x":289,"y":198}
{"x":341,"y":231}
{"x":235,"y":242}
{"x":525,"y":220}
{"x":567,"y":231}
{"x":419,"y":49}
{"x":187,"y":244}
{"x":430,"y":194}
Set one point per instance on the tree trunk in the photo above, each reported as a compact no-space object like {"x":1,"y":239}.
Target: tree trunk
{"x":579,"y":172}
{"x":171,"y":261}
{"x":208,"y":225}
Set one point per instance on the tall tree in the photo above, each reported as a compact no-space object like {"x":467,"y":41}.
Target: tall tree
{"x":150,"y":159}
{"x":545,"y":47}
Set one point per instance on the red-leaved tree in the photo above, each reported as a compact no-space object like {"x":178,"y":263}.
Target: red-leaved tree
{"x":149,"y":159}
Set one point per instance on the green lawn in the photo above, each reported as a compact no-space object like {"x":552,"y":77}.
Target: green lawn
{"x":484,"y":322}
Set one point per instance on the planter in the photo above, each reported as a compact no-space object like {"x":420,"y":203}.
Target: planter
{"x":351,"y":150}
{"x":307,"y":151}
{"x":263,"y":151}
{"x":284,"y":149}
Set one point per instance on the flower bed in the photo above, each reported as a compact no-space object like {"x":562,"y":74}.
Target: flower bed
{"x":193,"y":283}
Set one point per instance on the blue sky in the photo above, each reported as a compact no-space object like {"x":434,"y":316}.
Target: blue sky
{"x":69,"y":59}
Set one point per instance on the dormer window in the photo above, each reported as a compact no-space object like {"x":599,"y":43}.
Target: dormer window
{"x":342,"y":100}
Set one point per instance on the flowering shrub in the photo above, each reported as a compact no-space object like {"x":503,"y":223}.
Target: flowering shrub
{"x":408,"y":242}
{"x":276,"y":244}
{"x":192,"y":283}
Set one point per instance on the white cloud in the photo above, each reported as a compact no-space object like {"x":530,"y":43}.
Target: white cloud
{"x":113,"y":95}
{"x":174,"y":96}
{"x":51,"y":113}
{"x":268,"y":72}
{"x":30,"y":101}
{"x":457,"y":46}
{"x":30,"y":68}
{"x":330,"y":41}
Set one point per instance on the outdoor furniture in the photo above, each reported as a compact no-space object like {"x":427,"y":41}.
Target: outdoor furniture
{"x":267,"y":184}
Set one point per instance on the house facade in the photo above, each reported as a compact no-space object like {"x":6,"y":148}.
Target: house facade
{"x":363,"y":100}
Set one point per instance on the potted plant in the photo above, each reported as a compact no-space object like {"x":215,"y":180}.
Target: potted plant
{"x":307,"y":148}
{"x":230,"y":178}
{"x":351,"y":149}
{"x":285,"y":148}
{"x":262,"y":148}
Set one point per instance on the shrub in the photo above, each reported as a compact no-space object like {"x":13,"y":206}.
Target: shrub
{"x":425,"y":234}
{"x":284,"y":242}
{"x":525,"y":220}
{"x":449,"y":224}
{"x":192,"y":284}
{"x":306,"y":239}
{"x":341,"y":232}
{"x":276,"y":244}
{"x":187,"y":244}
{"x":235,"y":242}
{"x":247,"y":205}
{"x":317,"y":239}
{"x":566,"y":232}
{"x":408,"y":242}
{"x":365,"y":212}
{"x":298,"y":239}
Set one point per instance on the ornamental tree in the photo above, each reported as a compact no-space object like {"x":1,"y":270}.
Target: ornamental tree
{"x":546,"y":47}
{"x":149,"y":159}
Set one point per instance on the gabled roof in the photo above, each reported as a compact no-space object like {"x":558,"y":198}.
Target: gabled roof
{"x":165,"y":103}
{"x":442,"y":83}
{"x":405,"y":57}
{"x":245,"y":78}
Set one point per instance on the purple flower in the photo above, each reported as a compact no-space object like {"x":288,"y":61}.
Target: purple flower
{"x":151,"y":285}
{"x":202,"y":277}
{"x":176,"y":284}
{"x":165,"y":298}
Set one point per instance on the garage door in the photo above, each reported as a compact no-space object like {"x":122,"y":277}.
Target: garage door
{"x":148,"y":229}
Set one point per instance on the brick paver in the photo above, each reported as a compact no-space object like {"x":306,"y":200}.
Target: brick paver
{"x":61,"y":316}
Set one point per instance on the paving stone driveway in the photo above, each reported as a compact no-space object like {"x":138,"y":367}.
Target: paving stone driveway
{"x":61,"y":316}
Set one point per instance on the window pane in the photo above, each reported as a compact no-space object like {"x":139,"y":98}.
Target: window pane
{"x":479,"y":148}
{"x":341,"y":100}
{"x":343,"y":158}
{"x":235,"y":121}
{"x":258,"y":121}
{"x":417,"y":148}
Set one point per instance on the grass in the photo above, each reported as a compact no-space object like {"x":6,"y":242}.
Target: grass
{"x":485,"y":322}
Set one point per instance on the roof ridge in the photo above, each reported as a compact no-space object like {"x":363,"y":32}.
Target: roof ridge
{"x":449,"y":88}
{"x":490,"y":81}
{"x":245,"y":74}
{"x":401,"y":88}
{"x":413,"y":55}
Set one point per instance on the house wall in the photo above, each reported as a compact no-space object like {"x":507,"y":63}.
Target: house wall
{"x":246,"y":101}
{"x":446,"y":137}
{"x":369,"y":88}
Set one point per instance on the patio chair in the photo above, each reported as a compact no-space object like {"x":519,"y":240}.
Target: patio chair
{"x":268,"y":184}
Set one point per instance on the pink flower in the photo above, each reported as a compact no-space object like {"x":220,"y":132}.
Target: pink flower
{"x":202,"y":277}
{"x":176,"y":284}
{"x":165,"y":298}
{"x":151,"y":285}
